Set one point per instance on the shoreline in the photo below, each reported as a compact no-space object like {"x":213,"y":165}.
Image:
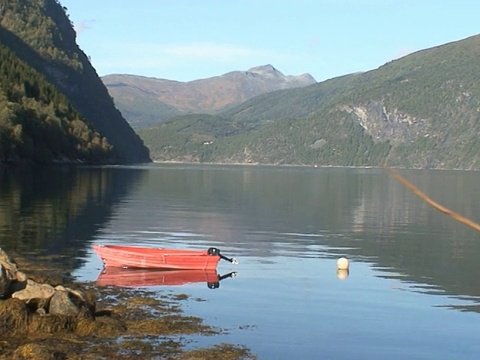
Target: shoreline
{"x":129,"y":323}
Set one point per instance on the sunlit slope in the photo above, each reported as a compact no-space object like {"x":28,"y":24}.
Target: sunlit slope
{"x":420,"y":111}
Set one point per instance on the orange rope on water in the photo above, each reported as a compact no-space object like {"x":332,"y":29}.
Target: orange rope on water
{"x":432,"y":203}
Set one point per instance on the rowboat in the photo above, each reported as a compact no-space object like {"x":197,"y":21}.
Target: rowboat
{"x":159,"y":258}
{"x":132,"y":278}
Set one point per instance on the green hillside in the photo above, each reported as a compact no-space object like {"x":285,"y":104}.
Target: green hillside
{"x":420,"y":111}
{"x":40,"y":34}
{"x":37,"y":122}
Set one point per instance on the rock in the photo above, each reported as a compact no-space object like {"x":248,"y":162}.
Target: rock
{"x":77,"y":294}
{"x":64,"y":303}
{"x":21,"y":277}
{"x":9,"y":265}
{"x":20,"y":283}
{"x":32,"y":307}
{"x":4,"y":282}
{"x":41,"y":311}
{"x":35,"y":291}
{"x":60,"y":288}
{"x":8,"y":273}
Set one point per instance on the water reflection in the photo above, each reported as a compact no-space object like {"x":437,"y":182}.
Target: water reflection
{"x":363,"y":214}
{"x":58,"y":210}
{"x":255,"y":212}
{"x":114,"y":276}
{"x":342,"y":274}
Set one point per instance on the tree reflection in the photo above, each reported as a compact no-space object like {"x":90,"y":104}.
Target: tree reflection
{"x":58,"y":210}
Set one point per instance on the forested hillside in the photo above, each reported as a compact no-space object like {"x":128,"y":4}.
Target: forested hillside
{"x":37,"y":122}
{"x":420,"y":111}
{"x":40,"y":35}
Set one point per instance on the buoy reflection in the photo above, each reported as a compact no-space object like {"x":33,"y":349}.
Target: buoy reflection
{"x":342,"y":274}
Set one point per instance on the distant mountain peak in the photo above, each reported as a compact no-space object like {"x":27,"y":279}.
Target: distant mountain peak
{"x":265,"y":70}
{"x":162,"y":99}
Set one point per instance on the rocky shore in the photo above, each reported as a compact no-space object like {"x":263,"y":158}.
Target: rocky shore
{"x":44,"y":316}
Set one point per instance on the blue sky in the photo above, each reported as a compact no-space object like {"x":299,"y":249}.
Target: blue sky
{"x":186,"y":40}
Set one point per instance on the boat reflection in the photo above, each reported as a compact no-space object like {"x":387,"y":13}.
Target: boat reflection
{"x":127,"y":277}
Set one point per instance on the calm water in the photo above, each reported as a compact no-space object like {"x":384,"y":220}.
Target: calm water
{"x":412,"y":291}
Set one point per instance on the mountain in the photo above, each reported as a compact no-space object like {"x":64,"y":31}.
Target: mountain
{"x":38,"y":124}
{"x":41,"y":35}
{"x":146,"y":101}
{"x":419,"y":111}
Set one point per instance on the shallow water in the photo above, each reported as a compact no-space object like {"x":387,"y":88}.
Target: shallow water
{"x":411,"y":292}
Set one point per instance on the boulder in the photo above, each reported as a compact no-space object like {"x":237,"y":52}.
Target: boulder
{"x":64,"y":303}
{"x":34,"y":291}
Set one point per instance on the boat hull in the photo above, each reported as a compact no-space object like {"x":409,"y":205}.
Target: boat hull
{"x":155,"y":258}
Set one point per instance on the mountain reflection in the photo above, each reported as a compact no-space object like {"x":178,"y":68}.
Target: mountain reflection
{"x":364,"y":214}
{"x":420,"y":244}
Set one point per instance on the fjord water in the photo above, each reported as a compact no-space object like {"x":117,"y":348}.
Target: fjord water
{"x":412,"y":291}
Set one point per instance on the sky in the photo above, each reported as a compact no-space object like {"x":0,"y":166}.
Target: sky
{"x":186,"y":40}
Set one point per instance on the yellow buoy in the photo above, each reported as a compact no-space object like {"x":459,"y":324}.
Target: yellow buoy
{"x":342,"y":264}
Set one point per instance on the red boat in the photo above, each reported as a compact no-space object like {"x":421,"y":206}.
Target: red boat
{"x":157,"y":258}
{"x":115,"y":276}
